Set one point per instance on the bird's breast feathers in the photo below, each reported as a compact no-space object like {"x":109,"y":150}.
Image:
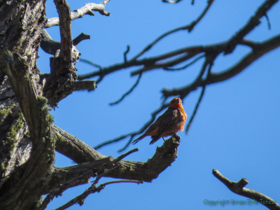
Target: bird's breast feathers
{"x":181,"y":119}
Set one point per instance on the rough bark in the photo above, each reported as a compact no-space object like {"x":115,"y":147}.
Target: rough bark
{"x":28,"y":139}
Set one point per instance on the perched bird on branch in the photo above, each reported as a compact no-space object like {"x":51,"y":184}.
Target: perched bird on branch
{"x":170,"y":122}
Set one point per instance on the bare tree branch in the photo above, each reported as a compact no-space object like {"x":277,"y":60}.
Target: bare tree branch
{"x":51,"y":46}
{"x":158,"y":65}
{"x":101,"y":75}
{"x":186,"y":27}
{"x":184,"y":67}
{"x":65,"y":59}
{"x":80,"y":38}
{"x":128,"y":92}
{"x":186,"y":53}
{"x":259,"y":50}
{"x":249,"y":43}
{"x":126,"y":154}
{"x":85,"y":10}
{"x":61,"y":82}
{"x":48,"y":44}
{"x":80,"y":152}
{"x":80,"y":174}
{"x":252,"y":23}
{"x":239,"y":188}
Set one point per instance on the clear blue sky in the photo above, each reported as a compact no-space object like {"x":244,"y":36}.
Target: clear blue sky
{"x":236,"y":129}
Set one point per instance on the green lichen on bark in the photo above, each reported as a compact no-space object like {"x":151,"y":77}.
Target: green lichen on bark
{"x":5,"y":112}
{"x":5,"y":57}
{"x":49,"y":117}
{"x":12,"y":135}
{"x":3,"y":167}
{"x":42,"y":101}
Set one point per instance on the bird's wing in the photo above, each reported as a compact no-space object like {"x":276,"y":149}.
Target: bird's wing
{"x":152,"y":130}
{"x":166,"y":120}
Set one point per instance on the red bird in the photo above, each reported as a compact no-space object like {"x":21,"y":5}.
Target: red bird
{"x":170,"y":122}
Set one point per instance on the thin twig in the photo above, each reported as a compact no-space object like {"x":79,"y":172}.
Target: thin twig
{"x":196,"y":108}
{"x":249,"y":43}
{"x":126,"y":154}
{"x":125,"y":53}
{"x":132,"y":134}
{"x":268,"y":22}
{"x":209,"y":3}
{"x":164,"y":64}
{"x":105,"y":172}
{"x":184,"y":67}
{"x":114,"y":140}
{"x":101,"y":75}
{"x":186,"y":27}
{"x":128,"y":92}
{"x":127,"y":143}
{"x":91,"y":63}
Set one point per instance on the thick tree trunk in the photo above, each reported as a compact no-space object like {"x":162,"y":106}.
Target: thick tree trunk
{"x":22,"y":166}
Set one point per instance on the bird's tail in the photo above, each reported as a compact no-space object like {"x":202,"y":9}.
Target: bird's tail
{"x":138,"y":139}
{"x":154,"y":139}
